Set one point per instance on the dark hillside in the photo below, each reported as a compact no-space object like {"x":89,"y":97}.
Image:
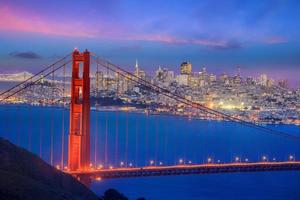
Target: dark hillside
{"x":25,"y":176}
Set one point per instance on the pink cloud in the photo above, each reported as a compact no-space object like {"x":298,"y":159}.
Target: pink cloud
{"x":12,"y":21}
{"x":275,"y":40}
{"x":175,"y":40}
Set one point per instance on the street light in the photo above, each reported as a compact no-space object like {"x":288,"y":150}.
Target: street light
{"x":151,"y":162}
{"x":190,"y":162}
{"x":100,"y":166}
{"x":237,"y":159}
{"x":264,"y":158}
{"x":209,"y":160}
{"x":180,"y":161}
{"x":160,"y":163}
{"x":122,"y":164}
{"x":291,"y":158}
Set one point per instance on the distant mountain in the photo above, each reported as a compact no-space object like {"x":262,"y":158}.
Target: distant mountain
{"x":21,"y":76}
{"x":25,"y":176}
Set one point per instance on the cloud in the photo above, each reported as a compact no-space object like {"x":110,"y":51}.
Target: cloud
{"x":214,"y":35}
{"x":15,"y":20}
{"x":27,"y":55}
{"x":275,"y":40}
{"x":231,"y":44}
{"x":167,"y":39}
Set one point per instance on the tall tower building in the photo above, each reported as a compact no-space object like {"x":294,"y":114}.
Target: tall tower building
{"x":136,"y":68}
{"x":186,"y":68}
{"x":137,"y":72}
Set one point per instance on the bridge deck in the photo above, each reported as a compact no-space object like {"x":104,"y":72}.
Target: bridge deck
{"x":186,"y":169}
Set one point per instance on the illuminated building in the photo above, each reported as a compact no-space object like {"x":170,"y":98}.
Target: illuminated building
{"x":283,"y":84}
{"x":182,"y":79}
{"x":186,"y":68}
{"x":137,"y":71}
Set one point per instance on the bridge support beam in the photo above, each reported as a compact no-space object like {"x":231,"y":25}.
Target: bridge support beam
{"x":79,"y":134}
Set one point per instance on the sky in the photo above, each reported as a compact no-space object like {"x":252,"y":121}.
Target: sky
{"x":256,"y":36}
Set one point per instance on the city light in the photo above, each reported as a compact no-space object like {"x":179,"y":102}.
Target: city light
{"x":100,"y":166}
{"x":216,"y":93}
{"x":209,"y":160}
{"x":264,"y":158}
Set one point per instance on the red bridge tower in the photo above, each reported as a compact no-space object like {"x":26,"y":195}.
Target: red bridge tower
{"x":79,"y":135}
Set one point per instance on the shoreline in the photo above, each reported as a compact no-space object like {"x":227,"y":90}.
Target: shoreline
{"x":131,"y":109}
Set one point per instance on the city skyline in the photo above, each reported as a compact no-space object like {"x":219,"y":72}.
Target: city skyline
{"x":256,"y":36}
{"x":159,"y":99}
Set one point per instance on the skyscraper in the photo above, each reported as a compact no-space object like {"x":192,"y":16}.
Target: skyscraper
{"x":186,"y":68}
{"x":137,"y":71}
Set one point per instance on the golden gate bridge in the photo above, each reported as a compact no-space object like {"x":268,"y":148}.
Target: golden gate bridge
{"x":79,"y":163}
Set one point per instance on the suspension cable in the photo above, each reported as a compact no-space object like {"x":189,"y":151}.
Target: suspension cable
{"x":52,"y":121}
{"x":136,"y":142}
{"x":117,"y":139}
{"x":63,"y":119}
{"x":30,"y":78}
{"x":32,"y":82}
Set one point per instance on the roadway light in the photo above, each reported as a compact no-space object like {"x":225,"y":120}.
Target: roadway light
{"x":218,"y":161}
{"x":264,"y":158}
{"x":98,"y":178}
{"x":291,"y":158}
{"x":130,"y":164}
{"x":180,"y":161}
{"x":160,"y":163}
{"x":246,"y":159}
{"x":110,"y":167}
{"x":100,"y":166}
{"x":151,"y":162}
{"x":57,"y":167}
{"x":237,"y":159}
{"x":209,"y":160}
{"x":274,"y":159}
{"x":190,"y":162}
{"x":121,"y":164}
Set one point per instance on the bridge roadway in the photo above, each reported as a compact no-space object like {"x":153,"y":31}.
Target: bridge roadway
{"x":98,"y":174}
